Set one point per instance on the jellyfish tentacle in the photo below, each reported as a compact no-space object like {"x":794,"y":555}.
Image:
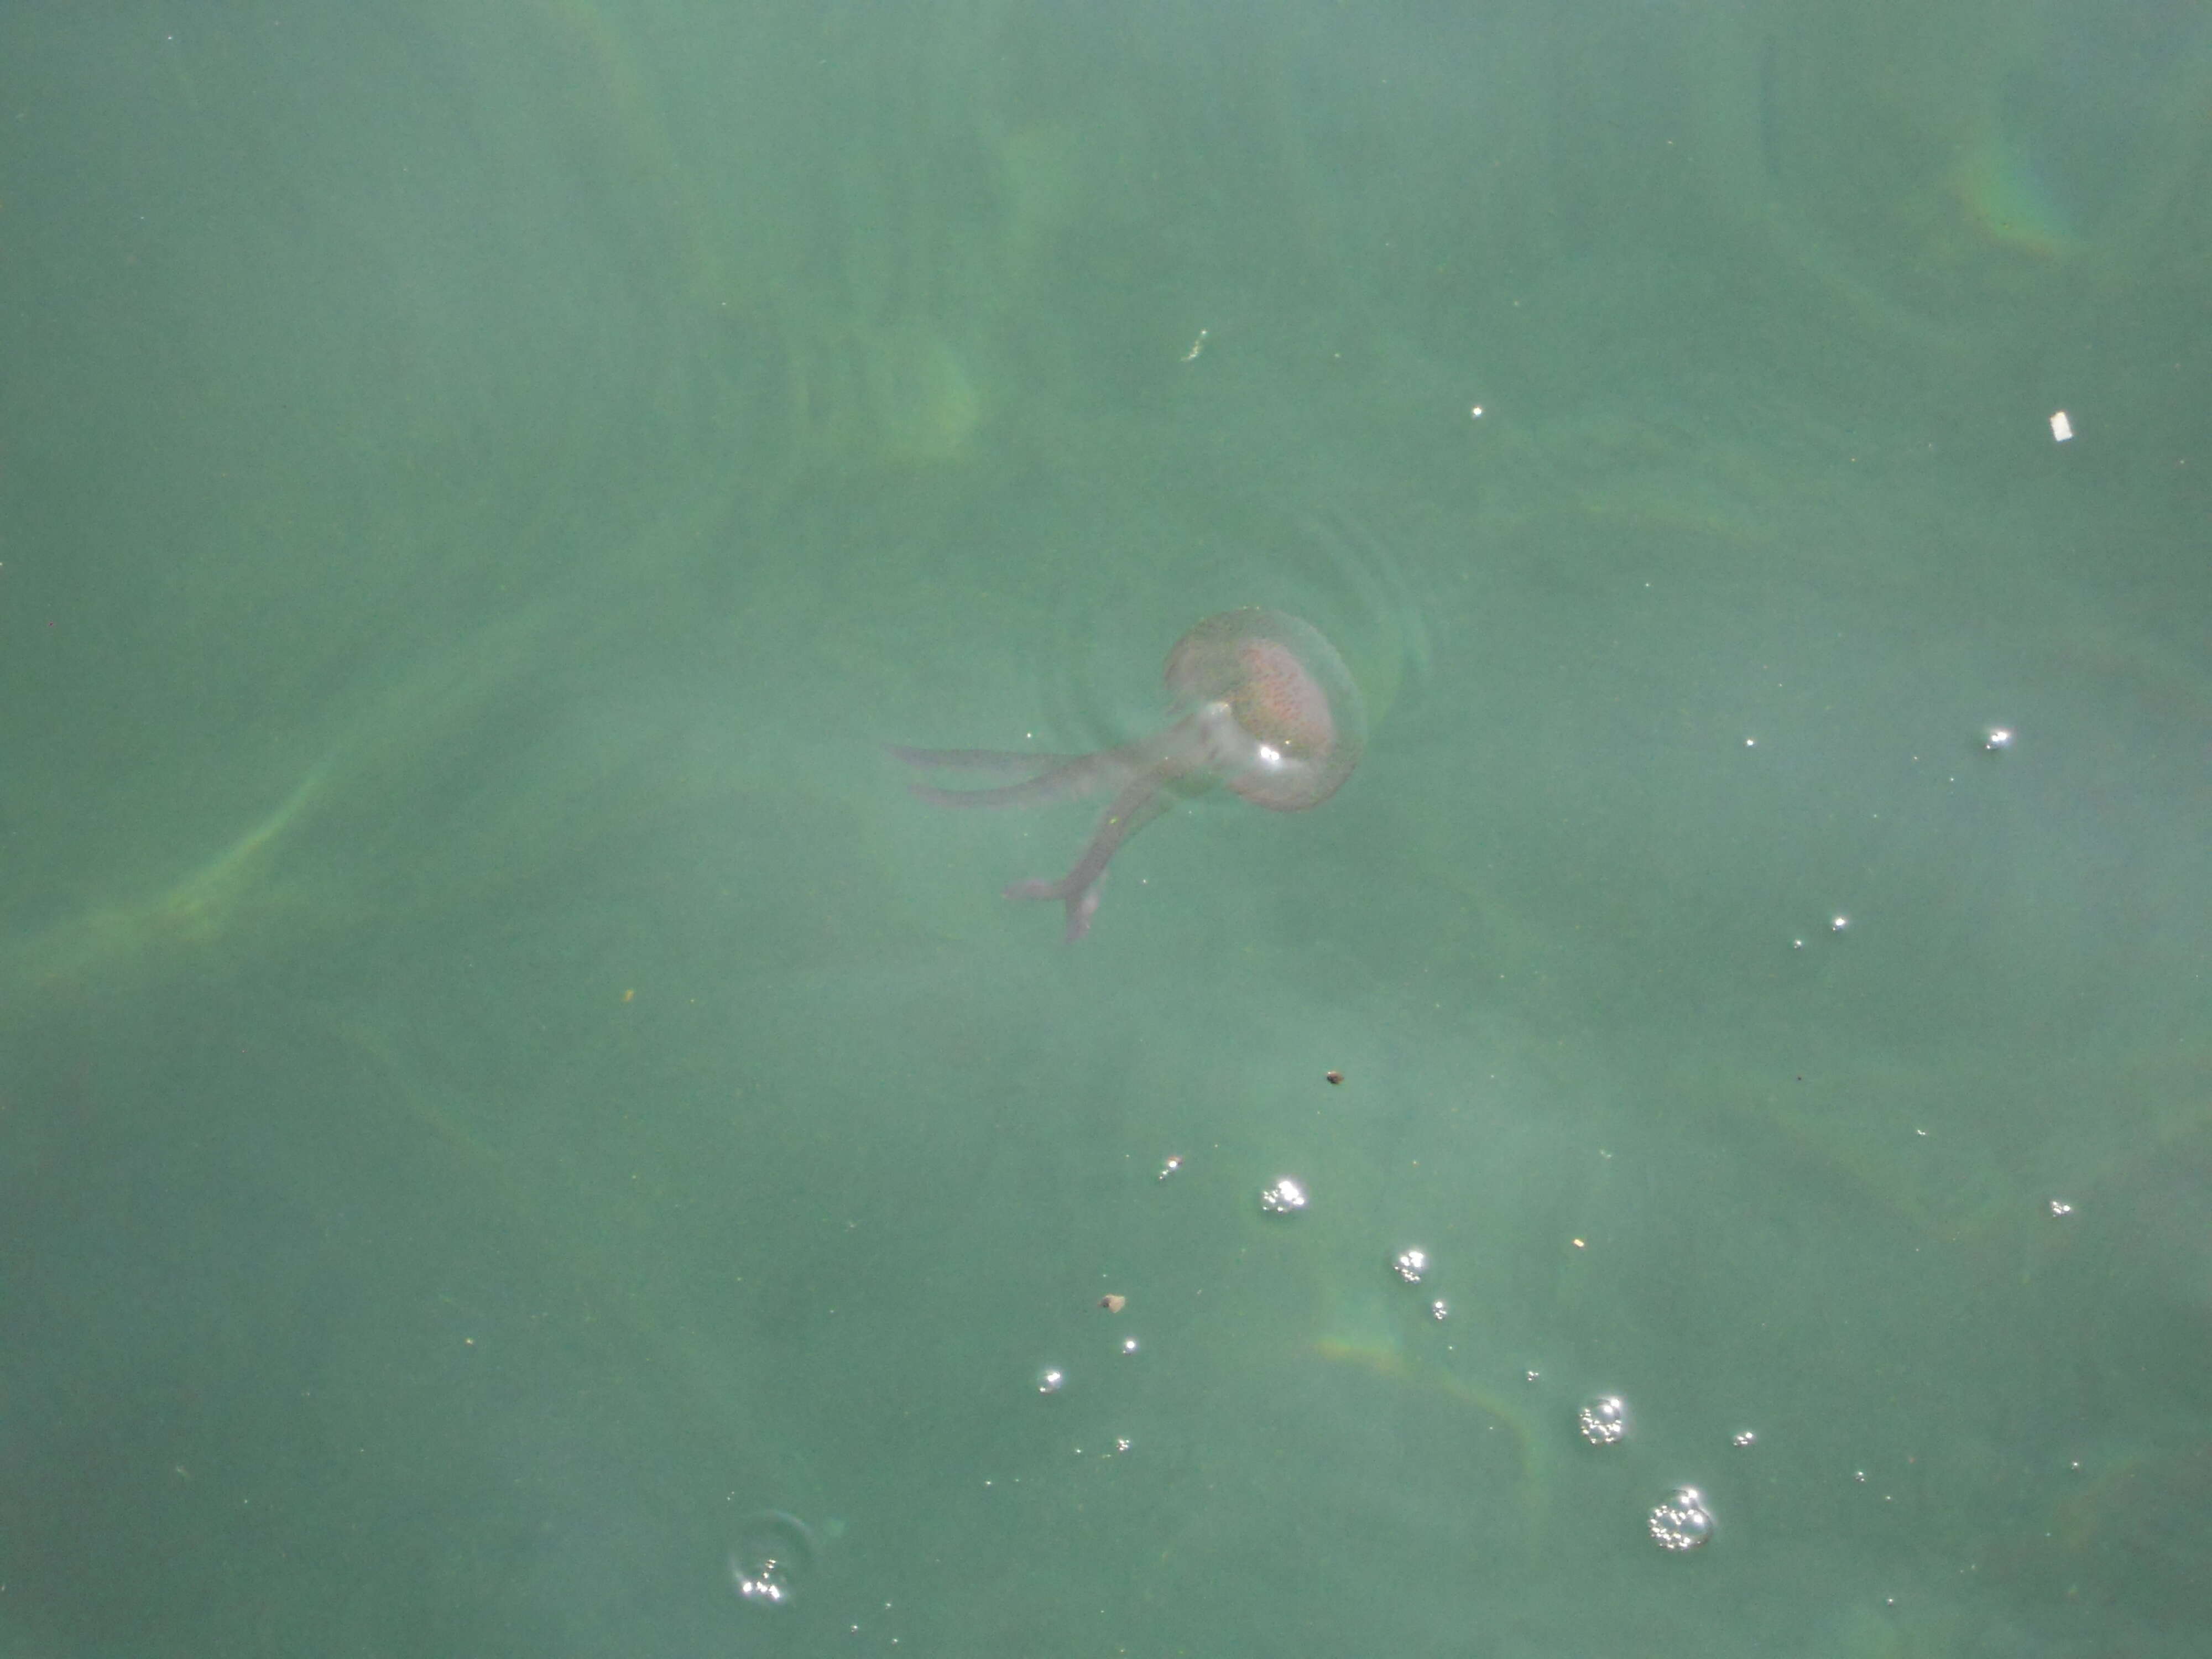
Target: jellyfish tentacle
{"x":1140,"y":801}
{"x":1053,"y":777}
{"x":1081,"y":775}
{"x":1007,"y":762}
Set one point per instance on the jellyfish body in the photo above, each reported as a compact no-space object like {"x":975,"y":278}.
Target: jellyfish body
{"x":1263,"y":705}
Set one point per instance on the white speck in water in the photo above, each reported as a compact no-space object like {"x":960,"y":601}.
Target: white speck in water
{"x":2060,"y":1206}
{"x":1743,"y":1438}
{"x":1285,"y":1197}
{"x":1051,"y":1380}
{"x":1410,"y":1265}
{"x":1439,"y":1310}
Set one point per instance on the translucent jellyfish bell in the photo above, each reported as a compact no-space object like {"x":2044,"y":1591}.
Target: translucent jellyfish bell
{"x":774,"y":1555}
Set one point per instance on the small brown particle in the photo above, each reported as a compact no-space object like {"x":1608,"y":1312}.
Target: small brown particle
{"x":1334,"y":1076}
{"x":1112,"y":1303}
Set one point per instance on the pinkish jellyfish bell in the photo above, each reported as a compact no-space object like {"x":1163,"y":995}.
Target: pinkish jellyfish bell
{"x":1263,"y":705}
{"x":1282,"y":720}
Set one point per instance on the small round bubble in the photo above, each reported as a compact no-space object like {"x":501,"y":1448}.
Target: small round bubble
{"x":1285,"y":1197}
{"x":1683,"y":1521}
{"x":1051,"y":1380}
{"x":1128,"y":1344}
{"x":1603,"y":1419}
{"x":1410,"y":1265}
{"x":771,"y":1558}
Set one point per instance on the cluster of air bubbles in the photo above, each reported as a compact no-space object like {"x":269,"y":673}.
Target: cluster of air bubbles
{"x":1683,"y":1521}
{"x":2060,"y":1206}
{"x":771,"y":1561}
{"x":1603,"y":1419}
{"x":1996,"y":739}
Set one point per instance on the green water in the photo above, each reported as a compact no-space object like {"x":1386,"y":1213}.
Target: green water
{"x":501,"y":1086}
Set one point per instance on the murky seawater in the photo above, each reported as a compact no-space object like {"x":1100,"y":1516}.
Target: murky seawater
{"x":519,"y":1134}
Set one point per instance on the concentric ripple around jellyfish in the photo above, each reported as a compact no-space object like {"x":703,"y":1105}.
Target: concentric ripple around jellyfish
{"x":1263,"y":704}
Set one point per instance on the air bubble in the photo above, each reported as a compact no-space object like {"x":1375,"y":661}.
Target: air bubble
{"x":1051,"y":1380}
{"x":1410,"y":1265}
{"x":1683,"y":1521}
{"x":1285,"y":1197}
{"x":1604,"y":1419}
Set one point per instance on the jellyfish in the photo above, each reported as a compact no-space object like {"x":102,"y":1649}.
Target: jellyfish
{"x":1262,"y":703}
